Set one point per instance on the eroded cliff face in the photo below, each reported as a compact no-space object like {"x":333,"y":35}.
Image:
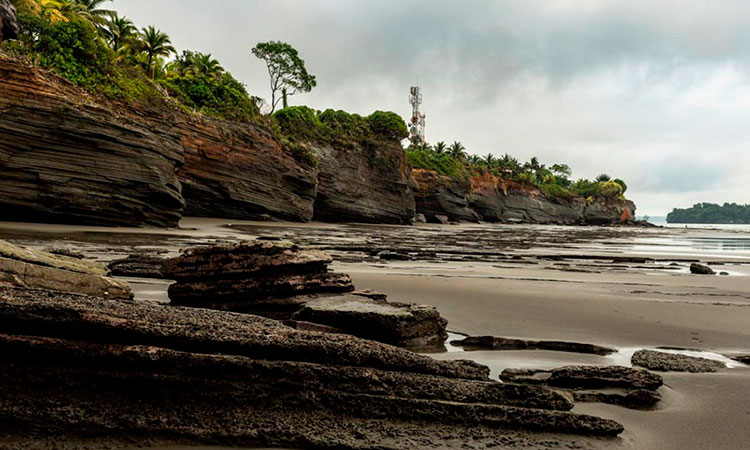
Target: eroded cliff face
{"x":491,"y":199}
{"x":440,"y":198}
{"x":8,"y":24}
{"x":239,"y":171}
{"x":363,"y":182}
{"x":66,"y":158}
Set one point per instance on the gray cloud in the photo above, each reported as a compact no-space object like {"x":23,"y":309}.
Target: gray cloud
{"x":655,"y":92}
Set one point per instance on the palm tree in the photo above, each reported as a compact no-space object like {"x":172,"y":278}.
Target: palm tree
{"x":155,"y":44}
{"x":457,"y":150}
{"x":90,"y":9}
{"x":603,"y":177}
{"x":440,"y":148}
{"x":119,"y":30}
{"x":205,"y":64}
{"x":489,"y":160}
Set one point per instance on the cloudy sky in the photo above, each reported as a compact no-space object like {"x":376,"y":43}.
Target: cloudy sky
{"x":656,"y":92}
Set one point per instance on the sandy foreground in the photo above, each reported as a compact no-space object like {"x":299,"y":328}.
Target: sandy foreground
{"x":530,"y":282}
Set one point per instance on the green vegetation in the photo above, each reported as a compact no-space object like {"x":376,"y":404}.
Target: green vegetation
{"x":300,"y":123}
{"x":286,"y":70}
{"x":553,"y":181}
{"x":711,"y":213}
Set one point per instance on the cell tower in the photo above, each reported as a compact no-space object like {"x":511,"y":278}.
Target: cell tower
{"x":417,"y":125}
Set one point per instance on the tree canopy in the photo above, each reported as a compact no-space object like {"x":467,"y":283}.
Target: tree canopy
{"x":728,"y":213}
{"x":286,"y":71}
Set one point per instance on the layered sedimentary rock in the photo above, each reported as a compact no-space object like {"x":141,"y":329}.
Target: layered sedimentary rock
{"x":128,"y":370}
{"x":244,"y":277}
{"x":439,"y":196}
{"x":400,"y":324}
{"x":240,"y":171}
{"x":670,"y":362}
{"x":363,"y":182}
{"x":64,"y":157}
{"x":40,"y":270}
{"x":491,"y":199}
{"x":8,"y":24}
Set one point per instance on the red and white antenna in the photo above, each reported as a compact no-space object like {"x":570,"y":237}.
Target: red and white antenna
{"x":417,"y":125}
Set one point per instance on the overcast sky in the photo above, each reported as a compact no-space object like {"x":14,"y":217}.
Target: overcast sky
{"x":656,"y":92}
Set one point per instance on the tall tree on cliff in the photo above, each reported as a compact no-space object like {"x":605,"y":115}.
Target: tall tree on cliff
{"x":118,"y":30}
{"x":286,"y":70}
{"x":155,"y":44}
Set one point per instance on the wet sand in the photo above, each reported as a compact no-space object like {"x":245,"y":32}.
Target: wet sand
{"x":533,"y":282}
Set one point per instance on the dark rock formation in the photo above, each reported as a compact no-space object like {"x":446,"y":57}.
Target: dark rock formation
{"x":637,"y":399}
{"x":439,"y":195}
{"x":670,"y":362}
{"x":597,"y":377}
{"x":493,"y":199}
{"x":363,"y":182}
{"x":8,"y":24}
{"x":500,"y":343}
{"x":66,"y":158}
{"x":242,"y":277}
{"x":140,"y":265}
{"x":399,"y":324}
{"x":240,"y":171}
{"x":41,"y":270}
{"x":128,"y":370}
{"x":745,"y":359}
{"x":700,"y":269}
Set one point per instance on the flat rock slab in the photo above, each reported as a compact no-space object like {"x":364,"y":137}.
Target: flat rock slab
{"x":501,"y":343}
{"x":672,"y":362}
{"x":141,"y":266}
{"x":399,"y":324}
{"x":598,"y":377}
{"x":40,"y":270}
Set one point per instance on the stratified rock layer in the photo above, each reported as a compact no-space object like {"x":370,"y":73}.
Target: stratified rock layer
{"x":671,"y":362}
{"x":239,"y":171}
{"x":241,"y":276}
{"x":440,"y":196}
{"x":66,"y":158}
{"x":211,"y":377}
{"x":363,"y":182}
{"x":492,"y":199}
{"x":40,"y":270}
{"x":399,"y":324}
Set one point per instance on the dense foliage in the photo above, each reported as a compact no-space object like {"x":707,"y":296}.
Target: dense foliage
{"x":107,"y":55}
{"x":554,"y":181}
{"x":303,"y":123}
{"x":711,"y":213}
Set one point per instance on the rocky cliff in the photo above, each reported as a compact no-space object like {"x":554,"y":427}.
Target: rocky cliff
{"x":8,"y":25}
{"x":239,"y":171}
{"x":64,"y":157}
{"x":363,"y":182}
{"x":492,"y":199}
{"x":68,"y":157}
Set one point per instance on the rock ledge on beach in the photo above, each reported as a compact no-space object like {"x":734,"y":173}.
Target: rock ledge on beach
{"x":671,"y":362}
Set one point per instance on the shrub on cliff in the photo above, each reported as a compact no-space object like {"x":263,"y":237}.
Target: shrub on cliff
{"x":341,"y":123}
{"x":222,"y":96}
{"x":299,"y":122}
{"x":388,"y":125}
{"x":555,"y":191}
{"x":420,"y":157}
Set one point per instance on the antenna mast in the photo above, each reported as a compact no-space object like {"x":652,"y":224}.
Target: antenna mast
{"x":417,"y":125}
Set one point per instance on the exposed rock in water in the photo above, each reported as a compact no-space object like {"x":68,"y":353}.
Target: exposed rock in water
{"x":393,"y":323}
{"x":637,"y":399}
{"x":8,"y":23}
{"x":140,"y":265}
{"x":745,"y":359}
{"x":240,"y":171}
{"x":439,"y":195}
{"x":125,"y":369}
{"x":66,"y":158}
{"x":700,"y":269}
{"x":40,"y":270}
{"x":363,"y":182}
{"x":597,"y":377}
{"x":500,"y":343}
{"x":241,"y":277}
{"x":671,"y":362}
